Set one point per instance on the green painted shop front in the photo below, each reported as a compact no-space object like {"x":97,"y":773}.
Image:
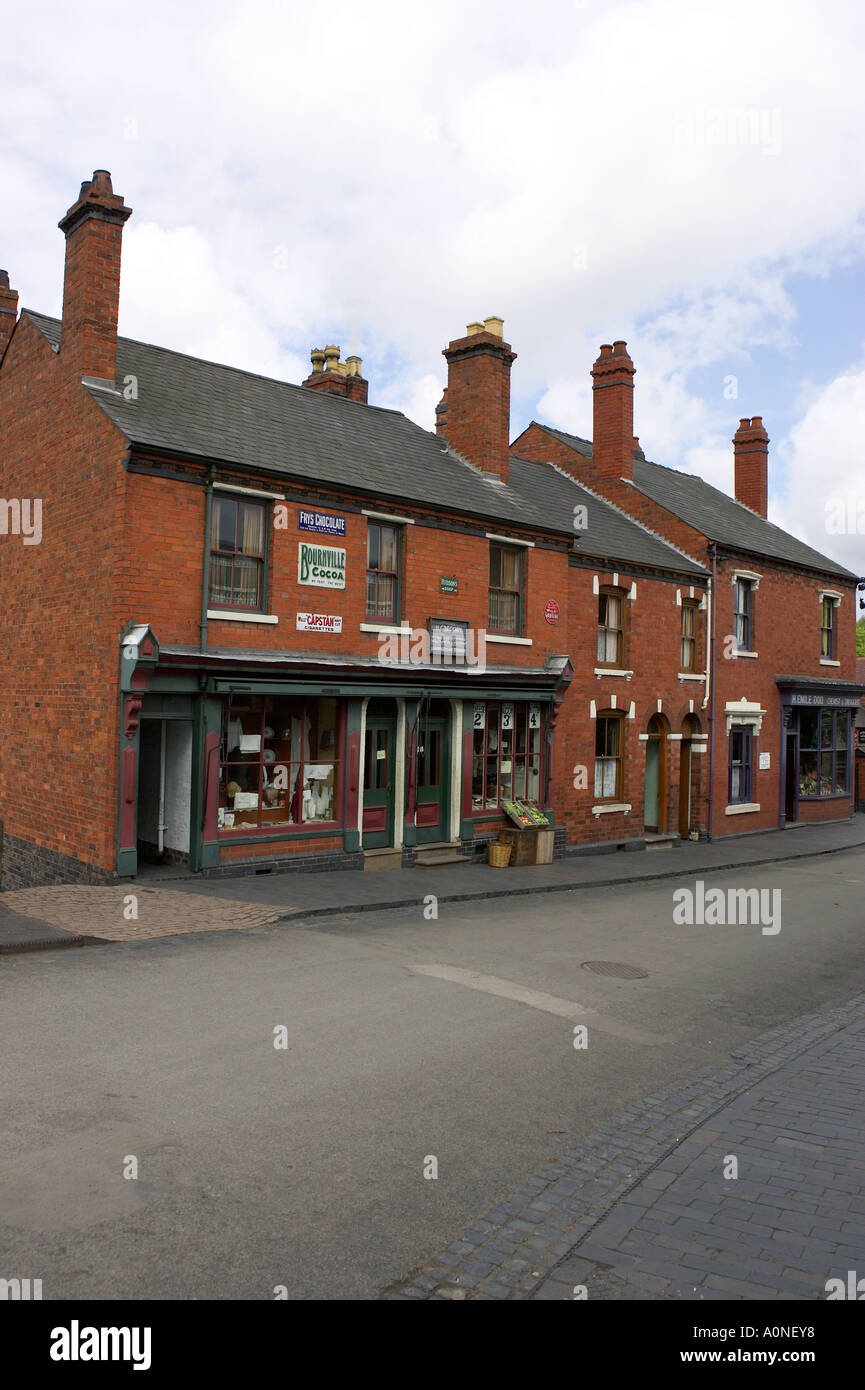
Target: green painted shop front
{"x":293,"y":763}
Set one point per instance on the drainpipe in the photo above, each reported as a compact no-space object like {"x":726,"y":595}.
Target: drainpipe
{"x":160,"y":828}
{"x":205,"y":580}
{"x":713,"y":551}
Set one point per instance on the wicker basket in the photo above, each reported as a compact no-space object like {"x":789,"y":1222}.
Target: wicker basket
{"x":500,"y":855}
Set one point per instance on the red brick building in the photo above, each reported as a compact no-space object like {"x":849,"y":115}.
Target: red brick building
{"x":781,"y":617}
{"x":248,"y":624}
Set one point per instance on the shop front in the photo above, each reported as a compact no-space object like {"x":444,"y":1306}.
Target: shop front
{"x":226,"y":758}
{"x":816,"y":755}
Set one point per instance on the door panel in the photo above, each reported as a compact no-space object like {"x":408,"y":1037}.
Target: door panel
{"x":378,"y":783}
{"x":650,"y":800}
{"x":685,"y":789}
{"x":432,"y":818}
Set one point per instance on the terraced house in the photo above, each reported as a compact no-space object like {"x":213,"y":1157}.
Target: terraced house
{"x":274,"y":626}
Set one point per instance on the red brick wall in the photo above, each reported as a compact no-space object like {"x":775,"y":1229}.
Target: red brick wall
{"x":59,"y":624}
{"x":162,"y":570}
{"x":653,"y":648}
{"x":786,"y":636}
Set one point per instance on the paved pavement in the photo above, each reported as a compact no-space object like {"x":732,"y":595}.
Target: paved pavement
{"x":746,"y":1182}
{"x":171,"y":905}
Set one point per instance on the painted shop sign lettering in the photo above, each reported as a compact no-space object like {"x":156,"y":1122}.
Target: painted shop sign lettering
{"x":324,"y":522}
{"x":842,"y":701}
{"x":321,"y":565}
{"x":319,"y":622}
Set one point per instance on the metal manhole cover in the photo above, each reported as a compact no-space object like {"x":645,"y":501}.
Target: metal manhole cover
{"x":617,"y":969}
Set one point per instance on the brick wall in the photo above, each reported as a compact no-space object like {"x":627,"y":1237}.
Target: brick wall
{"x":59,"y":624}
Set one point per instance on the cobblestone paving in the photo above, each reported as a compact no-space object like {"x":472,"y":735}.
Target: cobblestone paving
{"x":641,"y":1209}
{"x":99,"y":912}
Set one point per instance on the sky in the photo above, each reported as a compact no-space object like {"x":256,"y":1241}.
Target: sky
{"x":686,"y":176}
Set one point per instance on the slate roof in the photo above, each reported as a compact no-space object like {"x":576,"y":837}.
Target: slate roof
{"x":204,"y":410}
{"x":719,"y":517}
{"x":609,"y":533}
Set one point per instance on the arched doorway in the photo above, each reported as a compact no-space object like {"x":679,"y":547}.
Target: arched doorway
{"x":655,"y":787}
{"x":690,"y":727}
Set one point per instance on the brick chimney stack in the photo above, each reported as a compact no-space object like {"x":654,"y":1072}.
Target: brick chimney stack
{"x":476,"y":418}
{"x":335,"y":378}
{"x":751,"y":458}
{"x":93,"y":227}
{"x":613,"y":408}
{"x":8,"y":310}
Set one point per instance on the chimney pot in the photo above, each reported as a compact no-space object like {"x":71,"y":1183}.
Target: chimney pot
{"x":4,"y":279}
{"x":355,"y":365}
{"x":102,"y":181}
{"x":473,"y":328}
{"x":606,"y":349}
{"x":495,"y":325}
{"x":620,"y":346}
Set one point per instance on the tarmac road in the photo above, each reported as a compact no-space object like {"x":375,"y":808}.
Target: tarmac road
{"x":406,"y":1040}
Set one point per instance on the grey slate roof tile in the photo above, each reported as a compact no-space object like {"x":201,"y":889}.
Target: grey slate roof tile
{"x":201,"y":409}
{"x":719,"y":517}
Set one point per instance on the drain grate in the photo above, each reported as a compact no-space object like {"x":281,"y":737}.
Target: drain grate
{"x":616,"y":969}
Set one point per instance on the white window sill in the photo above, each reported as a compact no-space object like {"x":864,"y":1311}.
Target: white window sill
{"x":692,"y":676}
{"x":227,"y":615}
{"x":382,"y":627}
{"x":509,"y":641}
{"x":608,"y":671}
{"x":607,"y":807}
{"x":753,"y":655}
{"x":827,"y":661}
{"x":741,"y":808}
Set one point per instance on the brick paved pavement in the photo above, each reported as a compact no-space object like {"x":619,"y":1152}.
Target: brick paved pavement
{"x":641,"y":1209}
{"x":100,"y":912}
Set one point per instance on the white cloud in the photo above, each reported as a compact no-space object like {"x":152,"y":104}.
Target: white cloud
{"x":379,"y":175}
{"x":824,"y":501}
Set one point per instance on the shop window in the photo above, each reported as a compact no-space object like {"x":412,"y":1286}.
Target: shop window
{"x":827,"y":628}
{"x":688,"y":653}
{"x":506,"y":580}
{"x":743,"y":595}
{"x":506,"y":754}
{"x":611,"y":628}
{"x":823,"y":752}
{"x":383,"y":572}
{"x":609,"y":745}
{"x":280,"y":764}
{"x":237,"y":538}
{"x":741,"y":765}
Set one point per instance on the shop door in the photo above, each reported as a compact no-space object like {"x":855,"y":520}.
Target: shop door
{"x":378,"y":782}
{"x":432,"y":819}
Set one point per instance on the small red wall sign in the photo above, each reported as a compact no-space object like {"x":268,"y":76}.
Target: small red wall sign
{"x":551,"y":611}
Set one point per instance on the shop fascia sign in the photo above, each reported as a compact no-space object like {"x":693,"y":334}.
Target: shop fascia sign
{"x":819,"y":698}
{"x":322,"y":565}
